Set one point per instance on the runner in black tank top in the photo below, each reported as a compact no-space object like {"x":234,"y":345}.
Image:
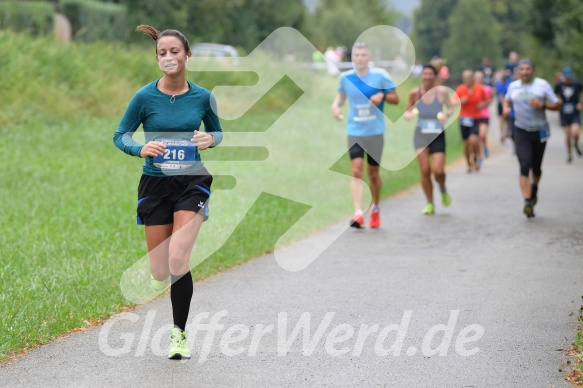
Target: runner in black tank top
{"x":427,"y":102}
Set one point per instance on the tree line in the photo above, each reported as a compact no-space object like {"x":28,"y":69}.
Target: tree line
{"x":463,"y":31}
{"x":246,"y":23}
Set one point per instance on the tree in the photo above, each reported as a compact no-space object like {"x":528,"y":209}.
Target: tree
{"x":512,"y":24}
{"x":557,"y":30}
{"x":542,"y":21}
{"x":377,"y":11}
{"x":242,"y":23}
{"x":569,"y":40}
{"x":159,"y":14}
{"x":431,"y":27}
{"x":472,"y":36}
{"x":262,"y":17}
{"x":339,"y":22}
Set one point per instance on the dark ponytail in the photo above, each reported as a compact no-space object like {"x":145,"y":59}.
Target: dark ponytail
{"x":430,"y":66}
{"x":155,"y":34}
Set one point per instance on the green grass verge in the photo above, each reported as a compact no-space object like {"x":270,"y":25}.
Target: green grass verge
{"x":67,"y":229}
{"x":575,"y":371}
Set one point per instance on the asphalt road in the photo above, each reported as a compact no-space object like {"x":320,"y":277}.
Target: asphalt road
{"x":474,"y":296}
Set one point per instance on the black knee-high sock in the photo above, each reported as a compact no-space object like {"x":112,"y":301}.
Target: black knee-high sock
{"x":180,"y":296}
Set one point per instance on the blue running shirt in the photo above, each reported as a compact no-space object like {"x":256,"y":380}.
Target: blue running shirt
{"x":364,"y":119}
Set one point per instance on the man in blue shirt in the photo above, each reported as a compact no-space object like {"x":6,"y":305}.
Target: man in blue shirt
{"x":366,"y":88}
{"x":501,"y":87}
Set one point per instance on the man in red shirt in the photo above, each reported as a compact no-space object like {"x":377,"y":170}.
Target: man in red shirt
{"x":472,"y":98}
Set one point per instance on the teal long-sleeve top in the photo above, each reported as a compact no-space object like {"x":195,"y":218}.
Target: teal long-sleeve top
{"x":165,"y":116}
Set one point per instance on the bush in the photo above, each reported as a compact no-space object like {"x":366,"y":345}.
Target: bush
{"x":70,"y":80}
{"x":93,"y":21}
{"x":33,"y":17}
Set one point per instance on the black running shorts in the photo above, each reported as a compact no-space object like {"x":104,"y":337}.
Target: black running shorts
{"x":570,"y":119}
{"x":160,"y":197}
{"x":371,"y":145}
{"x":435,"y":143}
{"x":470,"y":130}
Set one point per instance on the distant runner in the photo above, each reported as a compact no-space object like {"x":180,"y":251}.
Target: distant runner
{"x":488,"y":70}
{"x":570,"y":93}
{"x":512,"y":62}
{"x":366,"y":88}
{"x":472,"y":98}
{"x":484,"y":121}
{"x":530,"y":96}
{"x":501,"y":87}
{"x":426,"y":102}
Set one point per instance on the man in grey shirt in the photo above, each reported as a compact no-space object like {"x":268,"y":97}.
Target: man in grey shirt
{"x":530,"y":96}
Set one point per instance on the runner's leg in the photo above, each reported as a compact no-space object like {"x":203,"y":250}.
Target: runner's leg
{"x":567,"y":129}
{"x":375,"y":183}
{"x":158,"y":241}
{"x":424,"y":166}
{"x":356,"y":182}
{"x":439,"y":168}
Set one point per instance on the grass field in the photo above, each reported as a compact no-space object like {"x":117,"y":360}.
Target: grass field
{"x":67,"y":214}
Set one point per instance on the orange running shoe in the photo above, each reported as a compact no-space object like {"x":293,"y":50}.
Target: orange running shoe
{"x":375,"y":218}
{"x":357,"y":222}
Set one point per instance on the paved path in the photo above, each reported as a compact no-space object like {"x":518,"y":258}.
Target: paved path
{"x":503,"y":283}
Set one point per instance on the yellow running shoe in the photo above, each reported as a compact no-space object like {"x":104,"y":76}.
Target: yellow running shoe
{"x":445,"y":199}
{"x":429,"y":209}
{"x":178,"y":349}
{"x":158,"y":285}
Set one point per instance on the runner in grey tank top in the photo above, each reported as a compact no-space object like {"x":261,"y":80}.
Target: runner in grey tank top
{"x":426,"y":103}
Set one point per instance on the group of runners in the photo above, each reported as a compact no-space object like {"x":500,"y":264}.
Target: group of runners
{"x":367,"y":89}
{"x":522,"y":102}
{"x":175,"y":187}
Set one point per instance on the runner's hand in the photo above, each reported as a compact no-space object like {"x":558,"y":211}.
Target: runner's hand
{"x":506,"y":111}
{"x":152,"y":148}
{"x":483,"y":104}
{"x":202,"y":140}
{"x":535,"y":103}
{"x":442,"y":117}
{"x":409,"y":115}
{"x":376,"y":99}
{"x":337,"y":113}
